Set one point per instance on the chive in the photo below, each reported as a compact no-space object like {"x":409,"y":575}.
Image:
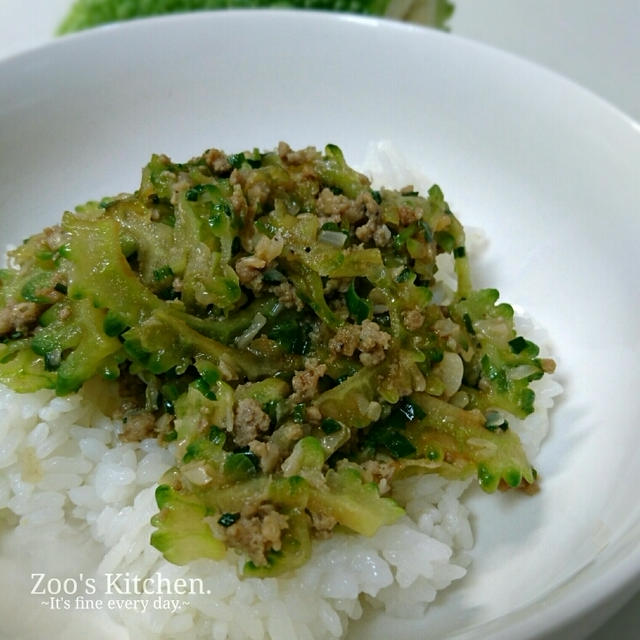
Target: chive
{"x":398,"y":445}
{"x":255,"y":159}
{"x":292,"y":333}
{"x":170,"y":436}
{"x":193,"y":194}
{"x":52,"y":359}
{"x":426,"y":230}
{"x":329,"y":425}
{"x":410,"y":194}
{"x":410,"y":410}
{"x":163,"y":272}
{"x":299,"y":413}
{"x":330,"y":226}
{"x":358,"y":307}
{"x":192,"y":451}
{"x":65,"y":250}
{"x":405,"y":275}
{"x":376,"y":196}
{"x":236,"y":160}
{"x":401,"y":238}
{"x":459,"y":252}
{"x":435,"y":354}
{"x":217,"y":435}
{"x":222,"y":207}
{"x":204,"y":389}
{"x":271,"y":409}
{"x":518,"y":344}
{"x":60,"y":287}
{"x":227,"y":519}
{"x":210,"y":376}
{"x":468,"y":324}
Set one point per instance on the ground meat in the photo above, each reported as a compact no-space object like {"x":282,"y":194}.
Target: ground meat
{"x":257,"y":191}
{"x":278,"y":447}
{"x":413,"y":319}
{"x":408,"y":215}
{"x":322,"y":524}
{"x":268,"y":452}
{"x":183,"y":183}
{"x":249,"y":420}
{"x":64,"y":312}
{"x":338,"y":207}
{"x":238,"y":201}
{"x":138,"y":426}
{"x":313,"y":415}
{"x":368,"y":203}
{"x":54,"y":237}
{"x":382,"y":236}
{"x":374,"y":229}
{"x":217,"y":161}
{"x":379,"y":472}
{"x":288,"y":156}
{"x":305,"y":383}
{"x":373,"y":343}
{"x":249,"y":270}
{"x":19,"y":316}
{"x":367,"y":338}
{"x":257,"y":531}
{"x":346,"y":340}
{"x":365,"y":232}
{"x":286,"y":293}
{"x":336,"y":284}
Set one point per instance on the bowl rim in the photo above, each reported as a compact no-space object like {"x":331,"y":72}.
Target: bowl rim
{"x":621,"y":576}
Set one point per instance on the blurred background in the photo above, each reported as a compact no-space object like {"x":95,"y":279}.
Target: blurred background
{"x":592,"y":42}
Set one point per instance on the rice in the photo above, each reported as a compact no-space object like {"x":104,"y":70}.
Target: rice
{"x":82,"y":479}
{"x":66,"y":477}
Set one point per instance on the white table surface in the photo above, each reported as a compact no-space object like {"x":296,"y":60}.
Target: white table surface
{"x":593,"y":42}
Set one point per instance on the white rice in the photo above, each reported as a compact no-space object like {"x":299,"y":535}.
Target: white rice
{"x":64,"y":474}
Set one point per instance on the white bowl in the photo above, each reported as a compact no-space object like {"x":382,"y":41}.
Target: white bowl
{"x":548,"y":170}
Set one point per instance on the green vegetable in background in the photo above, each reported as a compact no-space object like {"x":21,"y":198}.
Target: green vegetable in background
{"x":85,"y":14}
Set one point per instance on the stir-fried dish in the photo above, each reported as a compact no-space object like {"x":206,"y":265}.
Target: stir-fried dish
{"x":281,"y":325}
